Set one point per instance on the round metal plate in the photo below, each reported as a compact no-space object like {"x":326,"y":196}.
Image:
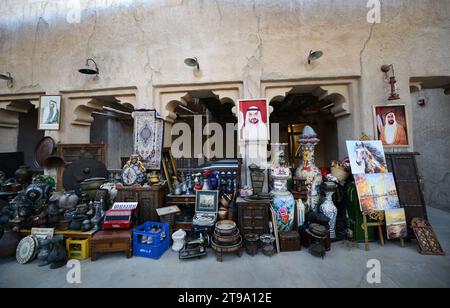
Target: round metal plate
{"x":26,"y":250}
{"x":43,"y":150}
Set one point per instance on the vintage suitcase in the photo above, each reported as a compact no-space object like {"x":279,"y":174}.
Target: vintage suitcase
{"x":111,"y":241}
{"x":290,"y":241}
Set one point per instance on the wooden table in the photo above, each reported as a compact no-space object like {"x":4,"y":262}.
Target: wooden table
{"x":111,"y":241}
{"x":66,"y":234}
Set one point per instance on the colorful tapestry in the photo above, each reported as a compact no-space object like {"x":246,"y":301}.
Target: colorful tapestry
{"x":148,"y":138}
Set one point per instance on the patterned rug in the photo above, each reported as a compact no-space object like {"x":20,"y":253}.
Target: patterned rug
{"x":148,"y":138}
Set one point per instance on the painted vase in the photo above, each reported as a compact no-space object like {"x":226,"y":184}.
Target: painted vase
{"x":283,"y":202}
{"x":329,"y":209}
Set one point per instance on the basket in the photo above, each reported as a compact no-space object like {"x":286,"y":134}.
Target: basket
{"x":340,"y":173}
{"x":78,"y":249}
{"x":151,"y":244}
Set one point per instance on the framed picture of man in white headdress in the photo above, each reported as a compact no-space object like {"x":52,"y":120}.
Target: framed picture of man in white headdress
{"x":253,"y":120}
{"x":391,"y":124}
{"x":49,"y":112}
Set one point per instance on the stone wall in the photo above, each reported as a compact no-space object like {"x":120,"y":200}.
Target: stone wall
{"x":432,"y":141}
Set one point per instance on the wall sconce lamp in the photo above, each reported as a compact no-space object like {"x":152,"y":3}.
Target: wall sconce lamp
{"x":390,"y":73}
{"x":192,"y":62}
{"x":314,"y":55}
{"x":90,"y":69}
{"x":8,"y":77}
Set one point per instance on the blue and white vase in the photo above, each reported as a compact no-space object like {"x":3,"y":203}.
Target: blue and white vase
{"x":329,"y":209}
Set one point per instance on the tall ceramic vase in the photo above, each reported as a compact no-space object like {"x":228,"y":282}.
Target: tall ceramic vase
{"x":329,"y":209}
{"x":283,"y":202}
{"x":308,"y":171}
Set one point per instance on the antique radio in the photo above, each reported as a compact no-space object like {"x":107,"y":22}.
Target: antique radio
{"x":121,"y":216}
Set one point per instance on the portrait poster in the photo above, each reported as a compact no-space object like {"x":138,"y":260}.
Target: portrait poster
{"x":391,"y":124}
{"x":377,"y":192}
{"x":396,"y":226}
{"x":366,"y":157}
{"x":49,"y":113}
{"x":253,"y":120}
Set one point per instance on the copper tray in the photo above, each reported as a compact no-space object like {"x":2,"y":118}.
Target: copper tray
{"x":43,"y":150}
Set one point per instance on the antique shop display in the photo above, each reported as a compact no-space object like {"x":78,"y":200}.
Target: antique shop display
{"x":253,"y":217}
{"x":283,"y":202}
{"x":227,"y":239}
{"x":151,"y":240}
{"x":49,"y":112}
{"x":308,"y":173}
{"x":377,"y":191}
{"x":396,"y":224}
{"x":149,"y":137}
{"x":179,"y":240}
{"x":253,"y":120}
{"x":27,"y":249}
{"x":328,"y":208}
{"x":111,"y":241}
{"x":426,"y":238}
{"x":392,"y":125}
{"x":121,"y":216}
{"x":134,"y":172}
{"x":366,"y":157}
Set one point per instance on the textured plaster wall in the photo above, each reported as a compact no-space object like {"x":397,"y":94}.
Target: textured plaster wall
{"x":143,"y":44}
{"x":432,"y":141}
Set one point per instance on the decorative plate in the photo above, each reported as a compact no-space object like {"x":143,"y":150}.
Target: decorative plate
{"x":26,"y":250}
{"x":132,"y":175}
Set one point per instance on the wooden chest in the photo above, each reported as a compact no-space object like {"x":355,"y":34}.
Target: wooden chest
{"x":290,"y":241}
{"x":149,"y":199}
{"x":111,"y":241}
{"x":253,"y":217}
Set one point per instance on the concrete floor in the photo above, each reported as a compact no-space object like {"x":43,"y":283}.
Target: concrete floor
{"x":344,"y":266}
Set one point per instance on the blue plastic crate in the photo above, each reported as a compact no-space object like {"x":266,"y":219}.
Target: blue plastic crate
{"x":150,"y":244}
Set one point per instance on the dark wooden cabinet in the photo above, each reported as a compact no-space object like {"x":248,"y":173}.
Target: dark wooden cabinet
{"x":406,"y":174}
{"x":253,"y":217}
{"x":149,"y":199}
{"x":111,"y":241}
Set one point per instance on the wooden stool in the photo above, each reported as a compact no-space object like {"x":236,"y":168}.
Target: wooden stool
{"x":111,"y":241}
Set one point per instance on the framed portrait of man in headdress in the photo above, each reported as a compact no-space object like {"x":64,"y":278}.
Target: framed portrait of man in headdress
{"x":49,"y":113}
{"x":253,"y":120}
{"x":392,"y":125}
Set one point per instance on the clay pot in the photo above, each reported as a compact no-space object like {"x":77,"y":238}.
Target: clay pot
{"x":24,"y":175}
{"x":8,"y":244}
